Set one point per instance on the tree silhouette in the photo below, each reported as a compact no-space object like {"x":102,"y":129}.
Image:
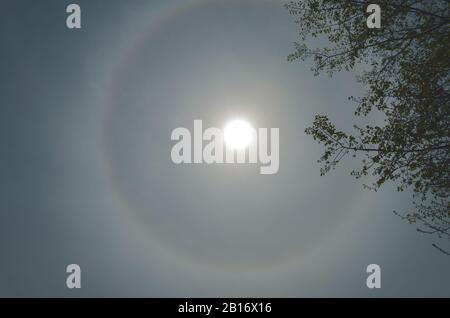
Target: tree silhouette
{"x":406,"y":79}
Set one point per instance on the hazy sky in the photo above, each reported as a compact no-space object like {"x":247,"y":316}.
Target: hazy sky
{"x":86,"y":175}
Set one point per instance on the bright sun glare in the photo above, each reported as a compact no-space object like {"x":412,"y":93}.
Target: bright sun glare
{"x":238,"y":134}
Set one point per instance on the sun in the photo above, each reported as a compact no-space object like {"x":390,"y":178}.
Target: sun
{"x":238,"y":134}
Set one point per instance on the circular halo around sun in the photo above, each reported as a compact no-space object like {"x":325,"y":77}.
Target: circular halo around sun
{"x":238,"y":134}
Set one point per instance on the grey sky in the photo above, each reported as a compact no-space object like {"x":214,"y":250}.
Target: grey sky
{"x":85,"y":123}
